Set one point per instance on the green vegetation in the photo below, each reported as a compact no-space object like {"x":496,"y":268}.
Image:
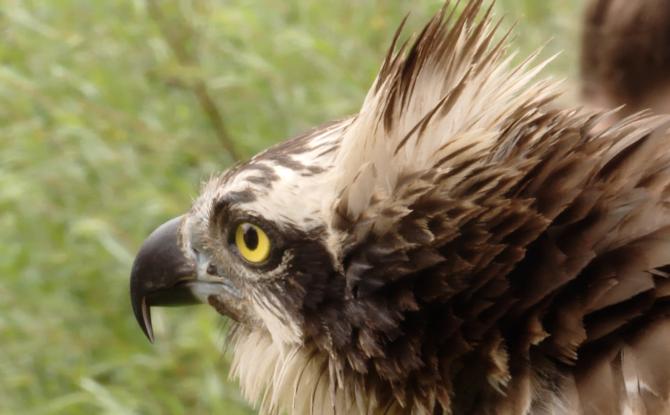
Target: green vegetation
{"x":103,"y":136}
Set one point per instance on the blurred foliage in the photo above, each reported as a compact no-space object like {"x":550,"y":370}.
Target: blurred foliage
{"x":103,"y":137}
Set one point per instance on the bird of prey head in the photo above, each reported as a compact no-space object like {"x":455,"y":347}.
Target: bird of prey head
{"x":461,"y":245}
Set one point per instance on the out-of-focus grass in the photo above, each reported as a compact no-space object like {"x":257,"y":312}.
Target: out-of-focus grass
{"x":101,"y":140}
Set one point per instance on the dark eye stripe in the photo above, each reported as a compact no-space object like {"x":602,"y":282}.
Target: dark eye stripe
{"x":250,"y":237}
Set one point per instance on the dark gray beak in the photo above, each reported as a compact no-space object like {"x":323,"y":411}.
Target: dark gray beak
{"x":160,"y":274}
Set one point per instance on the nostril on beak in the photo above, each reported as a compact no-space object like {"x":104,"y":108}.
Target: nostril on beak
{"x":211,"y":269}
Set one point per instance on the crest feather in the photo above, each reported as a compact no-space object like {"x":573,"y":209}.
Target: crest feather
{"x":448,"y":94}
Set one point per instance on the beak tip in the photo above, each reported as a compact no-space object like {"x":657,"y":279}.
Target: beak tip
{"x":150,"y":336}
{"x":143,"y":317}
{"x":147,"y":328}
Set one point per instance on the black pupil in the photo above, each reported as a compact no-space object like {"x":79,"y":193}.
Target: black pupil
{"x":250,"y":237}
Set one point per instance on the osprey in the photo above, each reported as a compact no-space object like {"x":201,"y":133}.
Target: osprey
{"x":462,"y":245}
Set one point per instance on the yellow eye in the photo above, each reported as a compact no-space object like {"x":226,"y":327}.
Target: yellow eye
{"x":252,"y":243}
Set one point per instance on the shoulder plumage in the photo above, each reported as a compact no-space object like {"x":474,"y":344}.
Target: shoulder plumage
{"x":469,"y":202}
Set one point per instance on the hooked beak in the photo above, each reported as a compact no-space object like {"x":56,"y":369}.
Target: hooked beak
{"x":160,"y":275}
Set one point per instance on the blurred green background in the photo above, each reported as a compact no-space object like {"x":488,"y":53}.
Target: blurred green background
{"x":111,"y":114}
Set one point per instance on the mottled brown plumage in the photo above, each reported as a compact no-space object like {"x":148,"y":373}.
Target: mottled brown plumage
{"x":459,"y":246}
{"x":626,"y":55}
